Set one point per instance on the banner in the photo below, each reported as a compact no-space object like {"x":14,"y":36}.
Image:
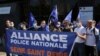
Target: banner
{"x":30,"y":43}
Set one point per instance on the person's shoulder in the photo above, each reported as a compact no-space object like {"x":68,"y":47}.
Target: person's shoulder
{"x":76,"y":29}
{"x":84,"y":27}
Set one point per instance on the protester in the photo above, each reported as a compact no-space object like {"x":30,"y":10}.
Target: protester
{"x":12,"y":25}
{"x":43,"y":26}
{"x":67,"y":27}
{"x":34,"y":27}
{"x":51,"y":27}
{"x":75,"y":23}
{"x":8,"y":24}
{"x":7,"y":27}
{"x":57,"y":28}
{"x":23,"y":26}
{"x":79,"y":48}
{"x":91,"y":31}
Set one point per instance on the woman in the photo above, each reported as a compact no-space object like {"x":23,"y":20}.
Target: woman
{"x":67,"y":26}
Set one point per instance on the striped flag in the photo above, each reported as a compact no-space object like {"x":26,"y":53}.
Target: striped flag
{"x":31,"y":20}
{"x":54,"y":15}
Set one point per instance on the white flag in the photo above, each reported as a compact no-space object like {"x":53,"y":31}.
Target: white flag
{"x":69,"y":16}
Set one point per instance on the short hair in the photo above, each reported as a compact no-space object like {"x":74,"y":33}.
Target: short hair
{"x":24,"y":23}
{"x":92,"y":21}
{"x":66,"y":21}
{"x":8,"y":20}
{"x":43,"y":21}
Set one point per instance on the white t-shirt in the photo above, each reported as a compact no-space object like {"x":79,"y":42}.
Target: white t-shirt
{"x":90,"y":39}
{"x":80,"y":30}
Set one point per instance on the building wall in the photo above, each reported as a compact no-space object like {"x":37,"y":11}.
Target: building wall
{"x":13,"y":16}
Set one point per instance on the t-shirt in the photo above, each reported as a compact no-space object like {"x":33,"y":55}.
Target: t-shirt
{"x":80,"y":30}
{"x":90,"y":39}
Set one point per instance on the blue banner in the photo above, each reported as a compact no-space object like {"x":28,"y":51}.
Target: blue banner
{"x":30,"y":43}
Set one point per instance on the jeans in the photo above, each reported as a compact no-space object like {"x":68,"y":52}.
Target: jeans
{"x":79,"y":49}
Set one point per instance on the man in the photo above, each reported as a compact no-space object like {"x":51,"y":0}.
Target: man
{"x":12,"y":25}
{"x":34,"y":27}
{"x":23,"y":26}
{"x":9,"y":25}
{"x":43,"y":26}
{"x":91,"y":39}
{"x":80,"y":39}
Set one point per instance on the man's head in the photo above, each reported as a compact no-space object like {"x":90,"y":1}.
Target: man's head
{"x":91,"y":23}
{"x":8,"y":23}
{"x":43,"y":23}
{"x":58,"y":24}
{"x":12,"y":24}
{"x":79,"y":23}
{"x":66,"y":23}
{"x":23,"y":24}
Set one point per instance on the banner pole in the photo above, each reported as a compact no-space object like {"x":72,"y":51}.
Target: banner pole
{"x":72,"y":48}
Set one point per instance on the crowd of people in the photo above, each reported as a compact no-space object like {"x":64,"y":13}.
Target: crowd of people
{"x":85,"y":42}
{"x":65,"y":26}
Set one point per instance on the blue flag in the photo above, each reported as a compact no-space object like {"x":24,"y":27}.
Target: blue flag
{"x":69,"y":16}
{"x":31,"y":19}
{"x":54,"y":15}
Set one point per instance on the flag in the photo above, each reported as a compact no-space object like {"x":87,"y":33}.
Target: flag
{"x":79,"y":16}
{"x":31,"y":20}
{"x":54,"y":15}
{"x":69,"y":16}
{"x":52,"y":18}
